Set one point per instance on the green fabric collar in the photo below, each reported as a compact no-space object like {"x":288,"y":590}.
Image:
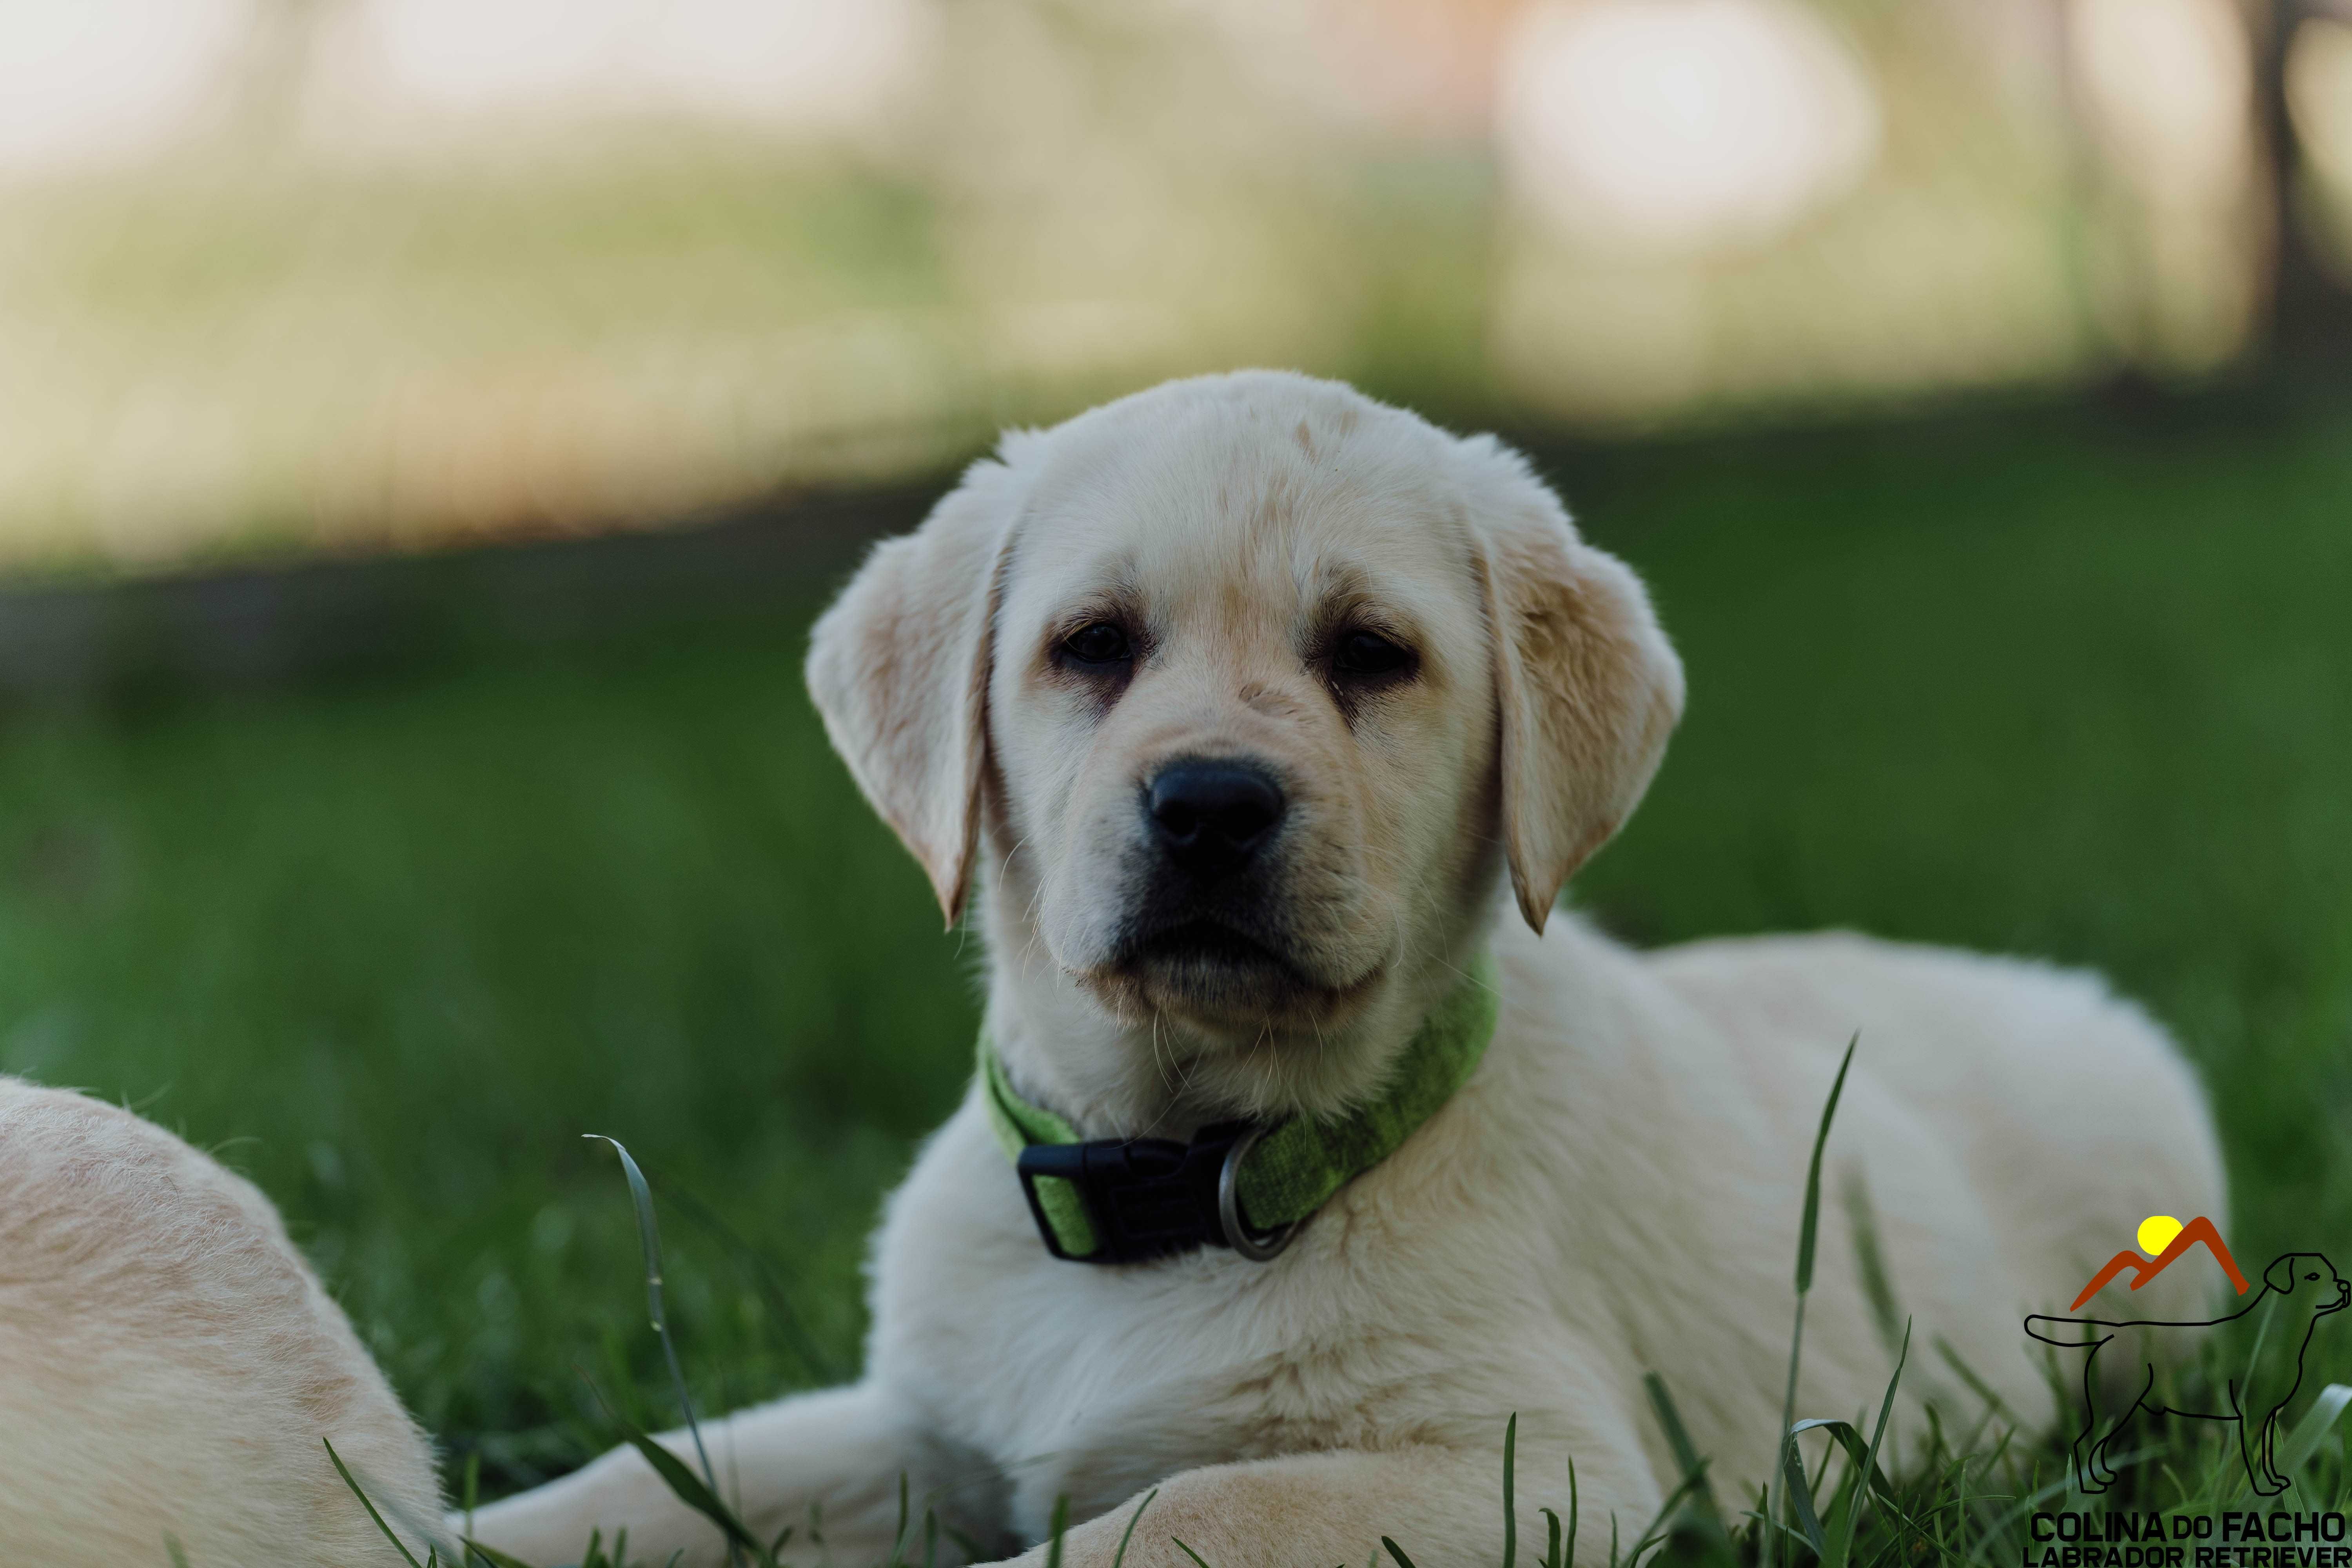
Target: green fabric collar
{"x":1284,"y":1174}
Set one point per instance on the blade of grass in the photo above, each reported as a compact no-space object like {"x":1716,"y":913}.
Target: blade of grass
{"x":685,"y":1485}
{"x":1569,"y":1561}
{"x":1391,"y":1547}
{"x":1058,"y":1528}
{"x":692,"y":1490}
{"x":1798,"y":1493}
{"x":345,"y":1471}
{"x":1806,"y":1234}
{"x":1510,"y":1487}
{"x":1196,"y":1556}
{"x":1843,"y":1551}
{"x":174,"y":1551}
{"x":1656,"y":1533}
{"x":1119,"y":1556}
{"x":1857,"y":1446}
{"x":1686,"y":1458}
{"x":649,"y":1237}
{"x":1862,"y":1220}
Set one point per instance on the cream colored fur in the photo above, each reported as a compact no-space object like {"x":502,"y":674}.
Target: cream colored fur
{"x":1617,"y":1188}
{"x":169,"y":1364}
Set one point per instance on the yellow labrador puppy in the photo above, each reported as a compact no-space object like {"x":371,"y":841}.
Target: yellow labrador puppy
{"x":1261,"y":725}
{"x":169,"y":1364}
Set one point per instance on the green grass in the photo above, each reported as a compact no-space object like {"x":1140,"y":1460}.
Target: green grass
{"x":2060,"y":681}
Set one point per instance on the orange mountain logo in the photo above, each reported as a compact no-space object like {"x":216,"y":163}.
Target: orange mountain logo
{"x":2170,"y":1241}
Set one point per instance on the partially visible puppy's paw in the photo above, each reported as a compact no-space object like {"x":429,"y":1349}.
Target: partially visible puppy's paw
{"x":169,"y":1364}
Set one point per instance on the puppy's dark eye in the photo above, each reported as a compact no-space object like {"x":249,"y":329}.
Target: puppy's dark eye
{"x":1100,"y":643}
{"x":1369,"y":653}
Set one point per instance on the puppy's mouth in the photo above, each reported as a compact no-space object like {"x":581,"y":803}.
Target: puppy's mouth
{"x":1208,"y":945}
{"x":1210,"y":967}
{"x":1224,"y":978}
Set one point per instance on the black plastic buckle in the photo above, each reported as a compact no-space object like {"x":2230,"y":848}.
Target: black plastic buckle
{"x":1148,"y":1197}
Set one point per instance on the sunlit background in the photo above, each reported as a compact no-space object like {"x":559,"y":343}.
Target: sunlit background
{"x":344,"y":274}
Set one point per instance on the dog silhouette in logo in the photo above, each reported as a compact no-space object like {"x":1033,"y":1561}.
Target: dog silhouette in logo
{"x":2308,"y":1288}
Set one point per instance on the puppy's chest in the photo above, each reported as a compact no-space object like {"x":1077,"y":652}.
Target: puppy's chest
{"x":1096,"y":1382}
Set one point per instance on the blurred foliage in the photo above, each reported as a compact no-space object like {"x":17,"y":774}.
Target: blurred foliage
{"x":344,"y":308}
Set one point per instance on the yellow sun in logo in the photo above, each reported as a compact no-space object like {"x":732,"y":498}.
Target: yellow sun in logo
{"x":2156,"y":1234}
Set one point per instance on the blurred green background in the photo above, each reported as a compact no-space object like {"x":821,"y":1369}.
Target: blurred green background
{"x":427,"y":431}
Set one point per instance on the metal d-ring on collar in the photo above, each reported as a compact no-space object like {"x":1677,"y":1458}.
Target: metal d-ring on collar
{"x":1266,"y":1246}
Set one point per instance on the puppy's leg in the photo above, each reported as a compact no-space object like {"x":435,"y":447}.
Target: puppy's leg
{"x":1443,"y":1506}
{"x":842,"y":1450}
{"x":169,"y":1364}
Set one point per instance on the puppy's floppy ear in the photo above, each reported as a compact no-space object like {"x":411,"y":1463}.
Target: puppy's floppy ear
{"x":899,"y":668}
{"x":2280,"y":1275}
{"x":1587,"y":687}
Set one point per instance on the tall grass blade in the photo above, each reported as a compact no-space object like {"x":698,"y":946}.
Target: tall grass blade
{"x":1704,"y":1509}
{"x":1877,"y":1288}
{"x":345,"y":1471}
{"x":1569,"y":1561}
{"x":1391,"y":1547}
{"x":492,"y":1555}
{"x":1857,"y":1446}
{"x":174,"y":1551}
{"x":1864,"y":1473}
{"x":649,"y":1237}
{"x":1551,"y":1538}
{"x":1798,"y":1493}
{"x":1510,"y":1492}
{"x":1806,"y":1235}
{"x":1058,"y":1528}
{"x":691,"y":1489}
{"x":1658,"y":1528}
{"x":1119,"y":1556}
{"x":1196,"y":1556}
{"x":1807,"y":1232}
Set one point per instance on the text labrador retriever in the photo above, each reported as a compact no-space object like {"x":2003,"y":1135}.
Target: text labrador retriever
{"x":1302,"y":1154}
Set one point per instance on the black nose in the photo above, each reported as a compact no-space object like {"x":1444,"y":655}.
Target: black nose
{"x":1209,"y":815}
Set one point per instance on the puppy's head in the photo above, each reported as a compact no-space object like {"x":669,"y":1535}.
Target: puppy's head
{"x":1248,"y":684}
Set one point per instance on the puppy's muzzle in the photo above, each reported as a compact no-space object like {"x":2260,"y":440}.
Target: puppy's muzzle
{"x":1210,"y":818}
